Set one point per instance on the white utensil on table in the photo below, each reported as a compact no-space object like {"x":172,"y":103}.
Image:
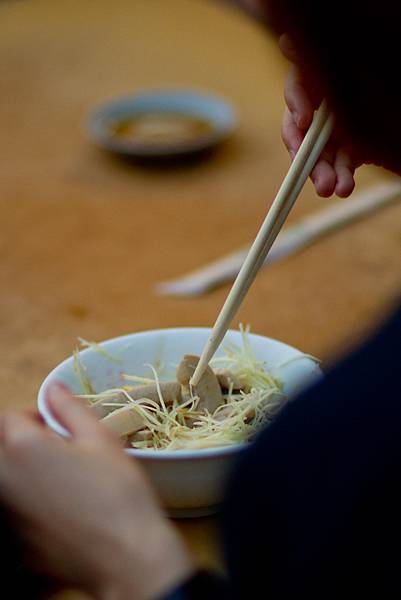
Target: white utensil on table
{"x":290,"y":240}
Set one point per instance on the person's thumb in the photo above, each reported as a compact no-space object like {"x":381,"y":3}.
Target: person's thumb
{"x":75,"y":416}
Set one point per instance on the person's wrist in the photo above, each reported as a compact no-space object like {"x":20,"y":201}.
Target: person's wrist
{"x":145,"y":569}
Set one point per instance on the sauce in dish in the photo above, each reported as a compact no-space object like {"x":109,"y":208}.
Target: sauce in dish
{"x":158,"y":129}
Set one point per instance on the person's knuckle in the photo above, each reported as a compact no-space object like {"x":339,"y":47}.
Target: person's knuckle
{"x":289,"y":94}
{"x":284,"y":133}
{"x":103,"y":435}
{"x":18,"y":443}
{"x":286,"y":129}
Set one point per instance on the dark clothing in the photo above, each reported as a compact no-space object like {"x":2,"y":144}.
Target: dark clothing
{"x":314,"y":505}
{"x":202,"y":586}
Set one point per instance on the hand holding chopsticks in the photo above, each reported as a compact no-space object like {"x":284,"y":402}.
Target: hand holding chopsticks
{"x":300,"y":169}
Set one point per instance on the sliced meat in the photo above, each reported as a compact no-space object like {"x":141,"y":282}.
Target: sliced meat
{"x":226,"y":378}
{"x":101,"y":410}
{"x":141,"y":436}
{"x":208,"y":389}
{"x":224,"y":413}
{"x":228,"y":411}
{"x":124,"y":421}
{"x":171,"y":390}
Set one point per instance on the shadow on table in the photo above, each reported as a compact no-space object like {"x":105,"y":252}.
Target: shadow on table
{"x":200,"y":159}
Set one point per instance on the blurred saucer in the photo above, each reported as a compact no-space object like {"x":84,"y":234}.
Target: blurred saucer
{"x":164,"y":123}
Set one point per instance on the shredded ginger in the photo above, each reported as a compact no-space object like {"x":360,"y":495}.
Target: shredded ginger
{"x":179,"y":425}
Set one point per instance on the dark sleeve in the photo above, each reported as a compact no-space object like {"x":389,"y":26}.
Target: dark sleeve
{"x":313,"y":509}
{"x":204,"y":585}
{"x":17,"y":577}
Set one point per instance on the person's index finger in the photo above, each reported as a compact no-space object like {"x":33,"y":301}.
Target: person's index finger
{"x":16,"y":427}
{"x":287,"y":48}
{"x":291,"y":135}
{"x":74,"y":415}
{"x":297,"y":99}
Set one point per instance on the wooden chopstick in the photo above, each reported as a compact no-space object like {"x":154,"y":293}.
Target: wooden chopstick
{"x":305,"y":159}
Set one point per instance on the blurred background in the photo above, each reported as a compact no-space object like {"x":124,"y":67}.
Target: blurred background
{"x":86,"y":236}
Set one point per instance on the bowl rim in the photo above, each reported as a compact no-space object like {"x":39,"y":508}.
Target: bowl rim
{"x":156,"y":455}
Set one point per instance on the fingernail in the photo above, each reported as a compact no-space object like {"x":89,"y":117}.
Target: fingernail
{"x":55,"y":386}
{"x":56,"y":390}
{"x":292,"y":153}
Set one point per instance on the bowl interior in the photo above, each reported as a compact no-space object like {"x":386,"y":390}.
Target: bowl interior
{"x":134,"y":353}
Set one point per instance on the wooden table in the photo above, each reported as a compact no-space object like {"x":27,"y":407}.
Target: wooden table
{"x":85,"y":237}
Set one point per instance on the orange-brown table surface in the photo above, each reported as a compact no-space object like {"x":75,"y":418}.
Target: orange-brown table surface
{"x":85,"y":237}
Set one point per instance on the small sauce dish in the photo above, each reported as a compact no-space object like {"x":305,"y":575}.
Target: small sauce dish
{"x":164,"y":123}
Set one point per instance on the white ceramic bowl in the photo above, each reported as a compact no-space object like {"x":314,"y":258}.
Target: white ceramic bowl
{"x":189,"y":483}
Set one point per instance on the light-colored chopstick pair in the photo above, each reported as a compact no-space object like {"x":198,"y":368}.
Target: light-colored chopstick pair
{"x":301,"y":167}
